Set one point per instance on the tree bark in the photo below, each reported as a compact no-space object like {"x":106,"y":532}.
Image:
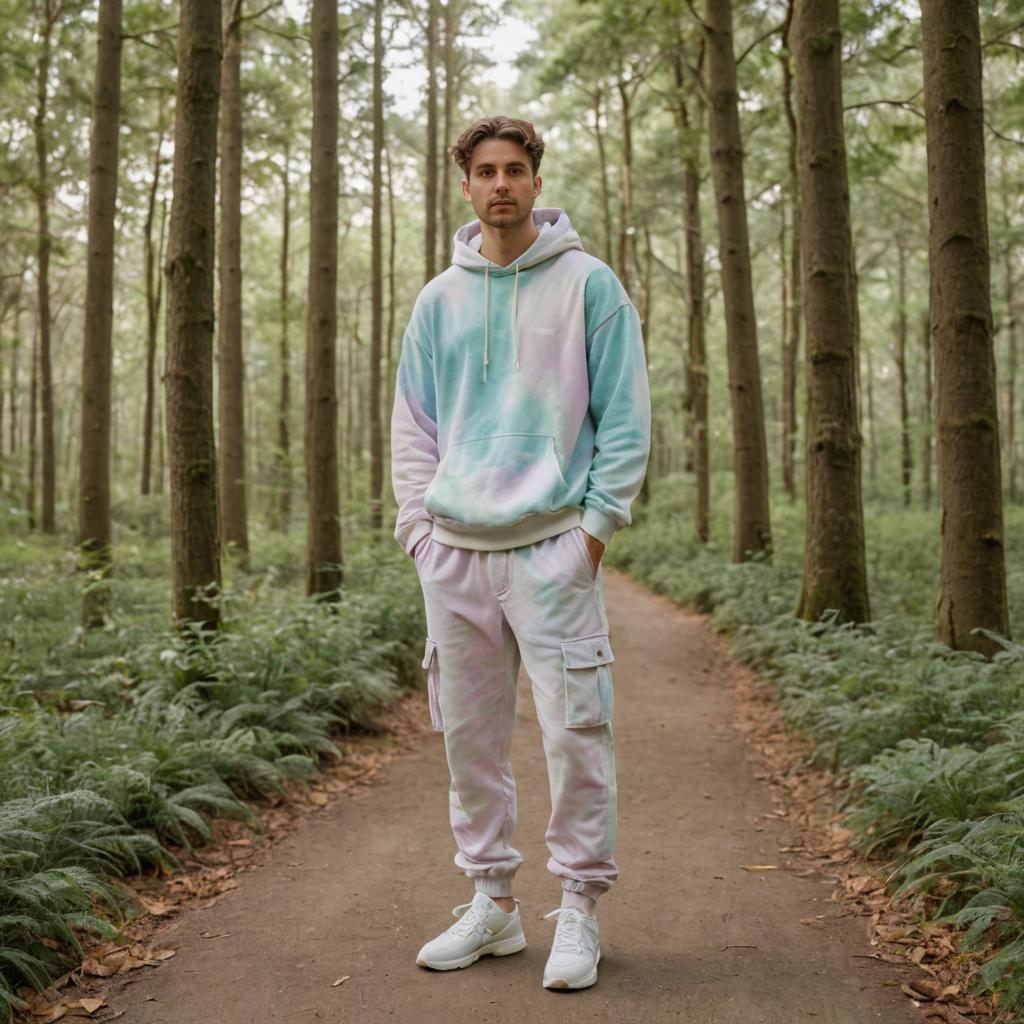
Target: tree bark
{"x":926,"y":412}
{"x":792,"y":311}
{"x":33,"y":418}
{"x":835,"y":572}
{"x":231,"y":362}
{"x":430,"y":235}
{"x":627,"y":237}
{"x":1011,"y":377}
{"x":377,"y":274}
{"x":972,"y":576}
{"x":282,"y":456}
{"x":191,"y":451}
{"x":451,"y":31}
{"x":695,"y":401}
{"x":390,"y":333}
{"x":94,"y":525}
{"x":752,"y":519}
{"x":906,"y":455}
{"x":606,"y":199}
{"x":323,"y":535}
{"x":154,"y":281}
{"x":50,"y":15}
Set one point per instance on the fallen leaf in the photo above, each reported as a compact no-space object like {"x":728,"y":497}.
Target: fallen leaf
{"x":156,"y":907}
{"x":96,"y":969}
{"x":341,"y":981}
{"x":92,"y":1005}
{"x":928,"y":988}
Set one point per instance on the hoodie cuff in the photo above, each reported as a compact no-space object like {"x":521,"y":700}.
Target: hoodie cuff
{"x":419,"y":529}
{"x":598,"y":525}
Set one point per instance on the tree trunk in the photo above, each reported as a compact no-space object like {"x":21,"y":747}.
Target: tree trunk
{"x":33,"y":416}
{"x":1011,"y":378}
{"x":926,"y":412}
{"x":13,"y":445}
{"x":697,"y":368}
{"x":695,"y":400}
{"x":792,"y":311}
{"x":50,"y":14}
{"x":231,"y":363}
{"x":161,"y":471}
{"x":323,"y":536}
{"x":154,"y":281}
{"x":972,"y":576}
{"x":94,"y":526}
{"x":606,"y":198}
{"x":835,"y":572}
{"x":627,"y":243}
{"x":752,"y":526}
{"x":906,"y":455}
{"x":872,"y":437}
{"x":377,"y":273}
{"x":390,"y":335}
{"x":430,"y":235}
{"x":195,"y":537}
{"x":282,"y":504}
{"x":451,"y":31}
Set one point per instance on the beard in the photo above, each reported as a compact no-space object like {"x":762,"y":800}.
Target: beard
{"x":504,"y":218}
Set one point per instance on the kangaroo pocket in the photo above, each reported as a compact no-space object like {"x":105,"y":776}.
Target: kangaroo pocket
{"x":496,"y":480}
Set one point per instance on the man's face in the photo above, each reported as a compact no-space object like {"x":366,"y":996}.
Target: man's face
{"x":501,"y":186}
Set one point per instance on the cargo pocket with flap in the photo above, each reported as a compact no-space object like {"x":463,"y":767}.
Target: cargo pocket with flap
{"x":587,"y":680}
{"x":430,"y":663}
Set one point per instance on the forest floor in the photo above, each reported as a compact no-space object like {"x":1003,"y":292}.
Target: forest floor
{"x":739,"y":900}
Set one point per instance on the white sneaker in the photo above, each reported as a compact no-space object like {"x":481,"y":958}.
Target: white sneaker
{"x":483,"y":928}
{"x":575,"y":952}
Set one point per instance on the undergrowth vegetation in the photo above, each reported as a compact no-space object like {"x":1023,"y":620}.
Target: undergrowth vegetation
{"x":929,"y":742}
{"x":117,"y":743}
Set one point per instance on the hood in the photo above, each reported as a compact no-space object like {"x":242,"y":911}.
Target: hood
{"x":555,"y":235}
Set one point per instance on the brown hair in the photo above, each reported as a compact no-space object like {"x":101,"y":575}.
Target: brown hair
{"x":499,"y":127}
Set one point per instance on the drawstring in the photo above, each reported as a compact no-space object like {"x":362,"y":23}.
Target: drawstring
{"x":515,"y":315}
{"x":487,"y":316}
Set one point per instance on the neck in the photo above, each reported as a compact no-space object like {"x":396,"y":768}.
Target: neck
{"x":503,"y":245}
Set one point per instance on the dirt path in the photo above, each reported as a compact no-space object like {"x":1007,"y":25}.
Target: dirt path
{"x":688,"y":934}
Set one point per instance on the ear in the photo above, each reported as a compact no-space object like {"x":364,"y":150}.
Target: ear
{"x":536,"y":185}
{"x":465,"y":188}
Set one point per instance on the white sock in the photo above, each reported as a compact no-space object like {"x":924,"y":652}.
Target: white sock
{"x":576,"y":899}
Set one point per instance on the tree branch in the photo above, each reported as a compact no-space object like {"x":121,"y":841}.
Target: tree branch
{"x":760,"y":39}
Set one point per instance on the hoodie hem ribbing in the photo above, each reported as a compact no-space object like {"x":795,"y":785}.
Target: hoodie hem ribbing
{"x":499,"y":538}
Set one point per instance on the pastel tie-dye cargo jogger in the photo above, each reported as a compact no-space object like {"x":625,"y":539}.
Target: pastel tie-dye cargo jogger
{"x":488,"y":611}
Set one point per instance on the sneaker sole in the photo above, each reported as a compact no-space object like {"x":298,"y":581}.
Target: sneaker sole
{"x":586,"y":982}
{"x":503,"y":948}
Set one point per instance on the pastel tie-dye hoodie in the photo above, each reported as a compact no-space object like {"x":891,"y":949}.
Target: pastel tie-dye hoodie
{"x":522,"y":406}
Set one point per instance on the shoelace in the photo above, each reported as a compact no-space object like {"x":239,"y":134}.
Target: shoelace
{"x":569,"y":932}
{"x":472,"y":919}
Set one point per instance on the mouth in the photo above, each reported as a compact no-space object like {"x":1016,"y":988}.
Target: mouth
{"x":501,"y":202}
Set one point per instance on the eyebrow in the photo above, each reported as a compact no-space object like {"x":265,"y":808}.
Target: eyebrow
{"x":511,"y":163}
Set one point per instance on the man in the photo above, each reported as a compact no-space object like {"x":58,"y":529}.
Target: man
{"x":520,"y":435}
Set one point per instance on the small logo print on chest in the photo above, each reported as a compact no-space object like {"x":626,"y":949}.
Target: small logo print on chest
{"x":544,"y":330}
